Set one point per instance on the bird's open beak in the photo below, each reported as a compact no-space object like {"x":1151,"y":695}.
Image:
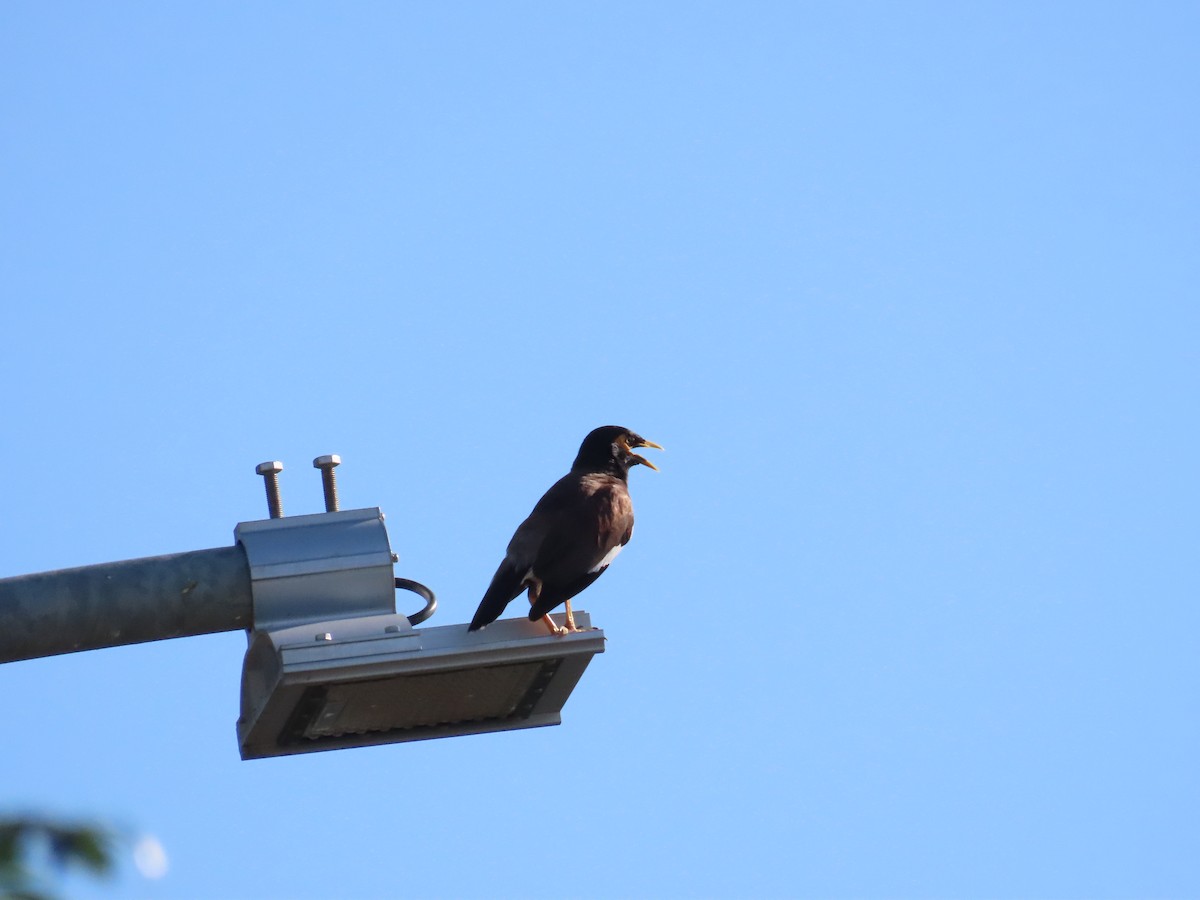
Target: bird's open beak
{"x":642,"y":442}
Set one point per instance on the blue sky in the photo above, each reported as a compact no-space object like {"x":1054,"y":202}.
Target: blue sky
{"x":908,"y":293}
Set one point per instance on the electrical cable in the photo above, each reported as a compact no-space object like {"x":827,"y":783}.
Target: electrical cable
{"x":430,"y":600}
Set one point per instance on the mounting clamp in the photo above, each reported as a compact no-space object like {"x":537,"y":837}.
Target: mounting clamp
{"x":334,"y":565}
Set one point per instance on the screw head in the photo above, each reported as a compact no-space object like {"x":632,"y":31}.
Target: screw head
{"x":327,"y":462}
{"x":269,"y":468}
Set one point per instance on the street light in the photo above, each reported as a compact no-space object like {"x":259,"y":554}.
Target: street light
{"x":330,"y":663}
{"x":376,"y":680}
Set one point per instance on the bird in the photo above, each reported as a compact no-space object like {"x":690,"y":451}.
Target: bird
{"x":573,"y":533}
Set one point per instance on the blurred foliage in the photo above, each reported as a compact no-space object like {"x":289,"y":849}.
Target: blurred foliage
{"x":30,"y":846}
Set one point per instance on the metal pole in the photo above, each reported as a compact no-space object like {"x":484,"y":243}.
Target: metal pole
{"x":113,"y":604}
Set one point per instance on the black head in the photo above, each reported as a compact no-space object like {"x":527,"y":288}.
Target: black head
{"x":609,"y":449}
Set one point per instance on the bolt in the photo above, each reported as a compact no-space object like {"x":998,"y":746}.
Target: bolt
{"x":270,"y":473}
{"x":328,"y":481}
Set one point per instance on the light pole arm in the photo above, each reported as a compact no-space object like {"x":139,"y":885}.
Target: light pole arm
{"x":112,"y":604}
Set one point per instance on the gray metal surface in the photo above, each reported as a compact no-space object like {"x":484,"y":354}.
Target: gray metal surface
{"x":127,"y":602}
{"x":282,"y":572}
{"x":376,"y":680}
{"x":318,"y":567}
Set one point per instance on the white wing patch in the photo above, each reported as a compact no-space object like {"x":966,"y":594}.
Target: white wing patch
{"x":608,"y":558}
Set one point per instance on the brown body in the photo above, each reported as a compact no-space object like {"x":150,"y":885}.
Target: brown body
{"x":573,"y":533}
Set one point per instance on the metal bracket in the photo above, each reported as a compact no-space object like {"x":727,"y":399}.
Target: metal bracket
{"x":315,"y":568}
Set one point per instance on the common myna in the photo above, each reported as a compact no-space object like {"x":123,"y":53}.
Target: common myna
{"x":574,"y":532}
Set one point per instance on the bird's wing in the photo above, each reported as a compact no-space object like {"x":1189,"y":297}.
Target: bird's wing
{"x":506,"y":585}
{"x":589,"y":533}
{"x":574,"y":531}
{"x":523,"y":550}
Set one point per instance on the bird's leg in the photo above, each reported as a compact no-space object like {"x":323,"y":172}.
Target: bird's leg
{"x":570,"y":618}
{"x":535,"y":591}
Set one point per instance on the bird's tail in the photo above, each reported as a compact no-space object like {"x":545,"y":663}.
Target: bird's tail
{"x":505,"y":586}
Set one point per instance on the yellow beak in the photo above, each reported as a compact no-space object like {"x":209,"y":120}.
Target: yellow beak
{"x":642,"y":442}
